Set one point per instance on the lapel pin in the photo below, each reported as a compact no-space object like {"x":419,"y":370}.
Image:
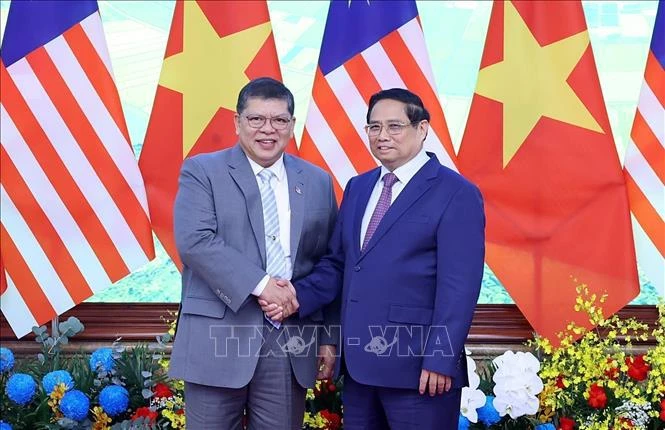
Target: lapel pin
{"x":298,"y":190}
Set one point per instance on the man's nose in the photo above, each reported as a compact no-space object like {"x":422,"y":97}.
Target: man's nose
{"x":383,"y":133}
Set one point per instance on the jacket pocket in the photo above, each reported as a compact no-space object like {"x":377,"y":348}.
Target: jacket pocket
{"x":207,"y":308}
{"x":410,"y":315}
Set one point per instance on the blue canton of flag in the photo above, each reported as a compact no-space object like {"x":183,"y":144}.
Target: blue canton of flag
{"x":367,"y":46}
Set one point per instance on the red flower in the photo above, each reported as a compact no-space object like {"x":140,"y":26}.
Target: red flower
{"x":559,"y":382}
{"x":597,"y":397}
{"x":334,"y":421}
{"x":662,"y":409}
{"x":613,"y":372}
{"x":566,"y":424}
{"x":637,"y":367}
{"x":332,"y":387}
{"x":162,"y":390}
{"x":145,"y":412}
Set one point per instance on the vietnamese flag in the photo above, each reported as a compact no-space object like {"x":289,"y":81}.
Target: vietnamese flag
{"x":214,"y":49}
{"x":539,"y":145}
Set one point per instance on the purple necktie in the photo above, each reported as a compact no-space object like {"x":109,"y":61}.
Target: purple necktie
{"x":382,"y":206}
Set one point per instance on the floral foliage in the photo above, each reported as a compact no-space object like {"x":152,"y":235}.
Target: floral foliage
{"x":114,"y":387}
{"x":323,"y":407}
{"x":597,"y":379}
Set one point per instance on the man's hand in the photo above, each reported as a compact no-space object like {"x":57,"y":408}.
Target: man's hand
{"x":278,"y":299}
{"x":326,"y":361}
{"x":436,"y":382}
{"x":275,"y":308}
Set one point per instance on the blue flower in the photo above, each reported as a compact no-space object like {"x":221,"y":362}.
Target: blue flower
{"x":74,"y":405}
{"x":6,"y":360}
{"x":548,"y":426}
{"x":488,"y":414}
{"x":102,"y":359}
{"x":4,"y":425}
{"x":21,"y":388}
{"x":463,"y":423}
{"x":114,"y":399}
{"x":52,"y":379}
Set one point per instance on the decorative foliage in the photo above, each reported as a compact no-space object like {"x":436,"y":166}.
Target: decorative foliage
{"x":590,"y":380}
{"x":100,"y":391}
{"x":323,"y":407}
{"x":597,"y":379}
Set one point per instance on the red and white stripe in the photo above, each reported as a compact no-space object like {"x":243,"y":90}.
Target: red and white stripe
{"x":74,"y":210}
{"x":334,"y":136}
{"x":644,"y":171}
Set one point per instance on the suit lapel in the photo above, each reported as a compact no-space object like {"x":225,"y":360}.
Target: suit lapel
{"x":296,"y":181}
{"x":361,"y":205}
{"x":242,"y":174}
{"x":416,"y":187}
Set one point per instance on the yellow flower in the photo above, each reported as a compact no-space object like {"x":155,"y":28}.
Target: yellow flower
{"x":101,"y":421}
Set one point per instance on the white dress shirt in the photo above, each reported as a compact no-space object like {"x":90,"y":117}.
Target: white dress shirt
{"x":404,"y":174}
{"x":280,"y":186}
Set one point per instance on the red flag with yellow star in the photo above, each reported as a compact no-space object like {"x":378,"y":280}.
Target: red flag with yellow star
{"x":214,"y":49}
{"x":539,"y":144}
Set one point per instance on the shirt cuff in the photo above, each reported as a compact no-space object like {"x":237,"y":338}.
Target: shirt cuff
{"x":263,"y":283}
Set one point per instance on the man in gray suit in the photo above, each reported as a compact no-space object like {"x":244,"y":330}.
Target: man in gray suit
{"x":245,"y":217}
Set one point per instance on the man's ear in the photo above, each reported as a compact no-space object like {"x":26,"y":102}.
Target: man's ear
{"x":293,"y":126}
{"x":423,"y":128}
{"x":236,"y":122}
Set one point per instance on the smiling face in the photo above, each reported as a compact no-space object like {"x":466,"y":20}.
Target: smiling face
{"x":265,"y":144}
{"x":395,"y":150}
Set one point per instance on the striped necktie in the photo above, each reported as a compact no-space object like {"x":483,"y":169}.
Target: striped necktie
{"x":275,"y":258}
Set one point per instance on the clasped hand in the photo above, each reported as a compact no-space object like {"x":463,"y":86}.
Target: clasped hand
{"x":278,"y":299}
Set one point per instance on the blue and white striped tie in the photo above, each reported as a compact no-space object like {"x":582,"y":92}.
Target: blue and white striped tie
{"x":275,"y":258}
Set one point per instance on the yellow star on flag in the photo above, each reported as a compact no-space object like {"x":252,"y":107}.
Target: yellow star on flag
{"x":210,"y":70}
{"x":531,"y":82}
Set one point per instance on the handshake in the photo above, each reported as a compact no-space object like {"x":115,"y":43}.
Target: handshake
{"x":278,"y":299}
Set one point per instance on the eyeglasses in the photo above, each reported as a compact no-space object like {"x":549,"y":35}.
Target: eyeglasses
{"x":393,"y":128}
{"x":277,"y":122}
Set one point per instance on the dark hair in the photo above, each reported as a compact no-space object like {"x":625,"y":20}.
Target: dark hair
{"x":264,"y":88}
{"x":415,"y":110}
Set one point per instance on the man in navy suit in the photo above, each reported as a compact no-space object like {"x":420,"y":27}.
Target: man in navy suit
{"x":407,"y":257}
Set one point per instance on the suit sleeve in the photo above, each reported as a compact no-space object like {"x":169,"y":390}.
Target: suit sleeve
{"x":324,"y":284}
{"x":460,"y":259}
{"x":329,"y":334}
{"x":226,"y":271}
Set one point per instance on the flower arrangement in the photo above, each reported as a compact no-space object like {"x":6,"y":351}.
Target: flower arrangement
{"x":113,"y":387}
{"x":592,"y":379}
{"x":601,"y":380}
{"x":323,"y":405}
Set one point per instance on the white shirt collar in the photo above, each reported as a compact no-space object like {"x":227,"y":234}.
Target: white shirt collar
{"x":407,"y":171}
{"x":277,"y":168}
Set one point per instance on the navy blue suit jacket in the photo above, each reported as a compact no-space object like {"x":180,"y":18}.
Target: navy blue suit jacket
{"x":408,"y":299}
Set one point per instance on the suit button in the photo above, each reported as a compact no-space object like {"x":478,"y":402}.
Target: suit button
{"x":357,"y":268}
{"x":219,"y":292}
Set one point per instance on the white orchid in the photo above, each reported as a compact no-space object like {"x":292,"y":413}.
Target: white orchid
{"x":517,"y":384}
{"x":472,"y":397}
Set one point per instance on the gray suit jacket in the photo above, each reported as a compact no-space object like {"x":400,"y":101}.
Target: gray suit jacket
{"x":219,"y":233}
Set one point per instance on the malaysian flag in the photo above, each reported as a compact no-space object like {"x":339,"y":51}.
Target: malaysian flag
{"x":74,"y":213}
{"x":367,"y":46}
{"x":644,"y":166}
